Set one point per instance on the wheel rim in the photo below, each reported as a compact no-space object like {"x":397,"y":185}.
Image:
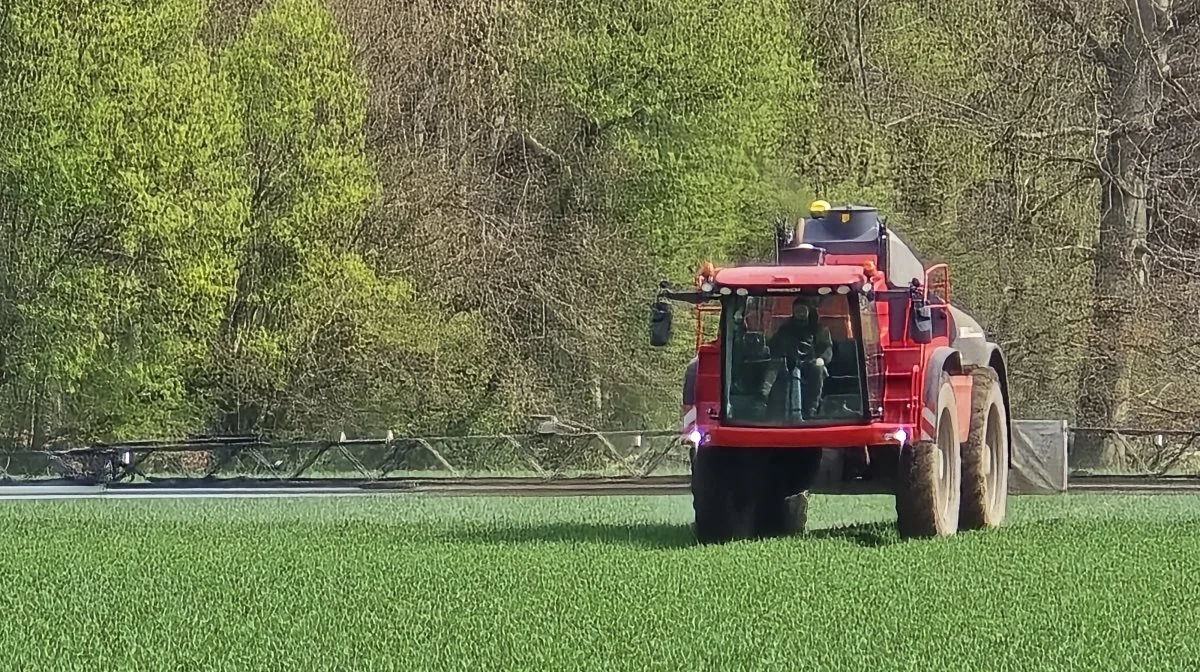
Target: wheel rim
{"x":945,"y":472}
{"x":994,"y":440}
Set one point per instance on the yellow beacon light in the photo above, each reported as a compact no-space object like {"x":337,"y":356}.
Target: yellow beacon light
{"x":818,"y":209}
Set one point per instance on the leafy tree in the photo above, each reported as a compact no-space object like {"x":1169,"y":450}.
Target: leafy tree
{"x":313,"y":336}
{"x":688,"y":108}
{"x":670,"y":118}
{"x":119,"y":201}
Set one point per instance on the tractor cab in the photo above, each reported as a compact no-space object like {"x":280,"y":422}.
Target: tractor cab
{"x":796,"y":345}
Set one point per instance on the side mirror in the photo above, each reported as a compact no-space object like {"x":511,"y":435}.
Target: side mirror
{"x":660,"y":324}
{"x":920,"y":328}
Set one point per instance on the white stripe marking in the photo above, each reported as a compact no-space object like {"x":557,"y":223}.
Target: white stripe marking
{"x":689,"y":418}
{"x":930,"y":416}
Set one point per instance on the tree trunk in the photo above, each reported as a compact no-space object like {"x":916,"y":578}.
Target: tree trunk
{"x":1134,"y":90}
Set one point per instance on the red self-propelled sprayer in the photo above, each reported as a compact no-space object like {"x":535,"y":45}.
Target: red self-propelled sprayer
{"x":841,"y":368}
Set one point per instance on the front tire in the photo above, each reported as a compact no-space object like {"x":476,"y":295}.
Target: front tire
{"x":929,"y":479}
{"x":985,"y":456}
{"x":746,"y":493}
{"x":723,"y":489}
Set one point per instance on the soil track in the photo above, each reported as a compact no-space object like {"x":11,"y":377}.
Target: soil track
{"x":1133,"y":484}
{"x":506,"y":487}
{"x":678,"y":485}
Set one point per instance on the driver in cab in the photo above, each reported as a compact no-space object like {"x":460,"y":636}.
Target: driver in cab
{"x":801,"y":342}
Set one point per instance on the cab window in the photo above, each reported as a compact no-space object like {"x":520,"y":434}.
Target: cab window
{"x":784,"y":369}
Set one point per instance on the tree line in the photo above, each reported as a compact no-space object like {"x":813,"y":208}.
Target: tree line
{"x":232,"y":216}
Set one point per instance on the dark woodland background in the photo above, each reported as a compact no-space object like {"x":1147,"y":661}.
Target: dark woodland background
{"x":440,"y":217}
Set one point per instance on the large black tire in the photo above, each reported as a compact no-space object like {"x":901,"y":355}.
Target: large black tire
{"x":750,"y":494}
{"x":789,"y":475}
{"x":724,"y":494}
{"x":985,"y":456}
{"x":929,"y":478}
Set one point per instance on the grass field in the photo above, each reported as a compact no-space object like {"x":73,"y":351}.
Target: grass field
{"x":409,"y":583}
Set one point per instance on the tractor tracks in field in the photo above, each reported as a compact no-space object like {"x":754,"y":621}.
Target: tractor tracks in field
{"x":538,"y":487}
{"x":487,"y":486}
{"x":444,"y":487}
{"x":1132,"y":484}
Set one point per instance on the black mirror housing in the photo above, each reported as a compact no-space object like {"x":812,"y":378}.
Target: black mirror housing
{"x":920,"y":328}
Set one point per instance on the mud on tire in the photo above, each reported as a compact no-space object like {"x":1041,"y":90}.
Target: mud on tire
{"x":795,"y":514}
{"x":985,"y":456}
{"x":781,"y":516}
{"x":783,"y":493}
{"x":928,"y":480}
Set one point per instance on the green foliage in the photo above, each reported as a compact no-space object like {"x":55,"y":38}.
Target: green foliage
{"x":691,"y":105}
{"x":673,"y":120}
{"x":315,"y":337}
{"x":188,"y":230}
{"x":921,"y":103}
{"x":117,"y":184}
{"x":302,"y":106}
{"x":450,"y":584}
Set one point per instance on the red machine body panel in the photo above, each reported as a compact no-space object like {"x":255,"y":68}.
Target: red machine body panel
{"x":785,"y":277}
{"x":834,"y":436}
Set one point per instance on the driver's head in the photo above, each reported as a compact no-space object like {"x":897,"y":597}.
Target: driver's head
{"x":802,"y":308}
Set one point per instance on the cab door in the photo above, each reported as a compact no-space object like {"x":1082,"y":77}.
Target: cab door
{"x":872,"y":355}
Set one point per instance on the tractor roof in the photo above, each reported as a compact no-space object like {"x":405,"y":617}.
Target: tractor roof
{"x":788,"y":276}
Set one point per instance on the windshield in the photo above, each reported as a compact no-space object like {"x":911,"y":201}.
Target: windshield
{"x":792,"y":360}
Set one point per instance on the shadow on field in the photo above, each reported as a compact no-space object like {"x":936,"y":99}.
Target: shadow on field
{"x":645,"y":535}
{"x":656,"y":536}
{"x":867,"y":535}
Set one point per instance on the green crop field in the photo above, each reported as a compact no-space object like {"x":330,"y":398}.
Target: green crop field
{"x":411,"y":583}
